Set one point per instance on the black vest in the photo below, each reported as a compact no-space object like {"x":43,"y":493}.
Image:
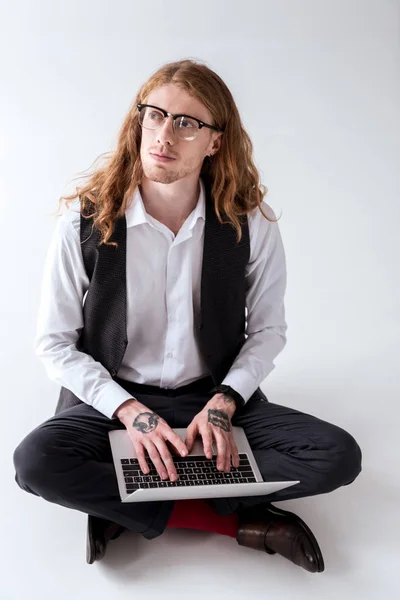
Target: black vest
{"x":221,"y":331}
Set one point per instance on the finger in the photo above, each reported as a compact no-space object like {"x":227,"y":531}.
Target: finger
{"x":227,"y":466}
{"x":172,"y":449}
{"x":191,"y":434}
{"x":221,"y":450}
{"x":207,"y":441}
{"x":141,"y":457}
{"x":235,"y":454}
{"x":166,"y":458}
{"x":175,"y":439}
{"x":231,"y":449}
{"x":155,"y":458}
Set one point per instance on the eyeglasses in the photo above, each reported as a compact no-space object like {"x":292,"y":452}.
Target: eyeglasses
{"x":186,"y":128}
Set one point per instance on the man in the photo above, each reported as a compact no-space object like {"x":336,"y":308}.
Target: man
{"x":186,"y":248}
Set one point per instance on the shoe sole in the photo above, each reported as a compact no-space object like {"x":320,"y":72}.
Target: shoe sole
{"x":90,"y":543}
{"x":307,"y":530}
{"x":94,"y":551}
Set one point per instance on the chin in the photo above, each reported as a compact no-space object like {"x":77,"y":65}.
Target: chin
{"x":162,"y":175}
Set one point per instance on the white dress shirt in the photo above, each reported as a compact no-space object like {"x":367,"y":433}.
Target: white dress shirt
{"x":163,"y":274}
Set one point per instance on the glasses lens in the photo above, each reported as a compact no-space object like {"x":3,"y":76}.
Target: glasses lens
{"x":151,"y":118}
{"x":186,"y":128}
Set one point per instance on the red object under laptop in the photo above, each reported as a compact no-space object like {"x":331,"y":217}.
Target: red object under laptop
{"x":197,"y":514}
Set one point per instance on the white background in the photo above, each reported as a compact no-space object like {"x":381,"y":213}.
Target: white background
{"x":317,"y":84}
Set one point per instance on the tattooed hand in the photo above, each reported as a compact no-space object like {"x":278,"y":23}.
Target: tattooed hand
{"x":214,"y":421}
{"x":148,"y":431}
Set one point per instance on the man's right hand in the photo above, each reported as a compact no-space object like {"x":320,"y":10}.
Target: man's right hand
{"x":149,"y":431}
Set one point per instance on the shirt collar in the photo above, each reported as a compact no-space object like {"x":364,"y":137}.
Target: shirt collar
{"x":136,"y":213}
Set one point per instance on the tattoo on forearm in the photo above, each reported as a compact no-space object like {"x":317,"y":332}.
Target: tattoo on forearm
{"x":219,"y":418}
{"x":146,"y":422}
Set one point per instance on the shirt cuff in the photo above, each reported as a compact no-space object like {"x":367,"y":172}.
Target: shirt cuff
{"x":110,"y":399}
{"x":245,"y":386}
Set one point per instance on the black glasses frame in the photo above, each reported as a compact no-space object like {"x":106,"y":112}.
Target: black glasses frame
{"x":167,"y":114}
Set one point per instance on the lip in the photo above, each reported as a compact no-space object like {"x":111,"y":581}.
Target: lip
{"x":161,"y":158}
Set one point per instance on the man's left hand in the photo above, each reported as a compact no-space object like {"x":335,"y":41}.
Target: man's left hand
{"x":214,"y":422}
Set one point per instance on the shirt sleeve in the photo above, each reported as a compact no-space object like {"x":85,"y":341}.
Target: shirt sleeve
{"x":60,"y":321}
{"x":266,"y":280}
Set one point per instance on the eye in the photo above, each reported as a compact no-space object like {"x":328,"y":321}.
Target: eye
{"x":155,"y":115}
{"x":185,"y":123}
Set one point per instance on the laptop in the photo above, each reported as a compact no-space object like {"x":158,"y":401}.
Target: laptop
{"x":198,"y":476}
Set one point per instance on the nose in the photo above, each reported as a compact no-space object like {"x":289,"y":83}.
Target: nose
{"x":165,"y":133}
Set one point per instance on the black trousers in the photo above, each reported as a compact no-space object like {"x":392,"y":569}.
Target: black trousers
{"x":67,"y":459}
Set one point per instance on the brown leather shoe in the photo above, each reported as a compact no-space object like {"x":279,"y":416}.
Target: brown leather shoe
{"x":274,"y":530}
{"x":99,"y":533}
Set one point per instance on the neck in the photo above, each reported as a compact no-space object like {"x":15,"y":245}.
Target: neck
{"x":170,"y":203}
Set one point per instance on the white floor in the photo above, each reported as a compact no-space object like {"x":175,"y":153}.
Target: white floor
{"x":45,"y":557}
{"x":357,"y":527}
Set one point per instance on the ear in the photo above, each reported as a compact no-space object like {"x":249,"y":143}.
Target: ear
{"x":216,"y":142}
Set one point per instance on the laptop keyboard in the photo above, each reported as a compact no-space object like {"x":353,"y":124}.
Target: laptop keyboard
{"x":193,"y":470}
